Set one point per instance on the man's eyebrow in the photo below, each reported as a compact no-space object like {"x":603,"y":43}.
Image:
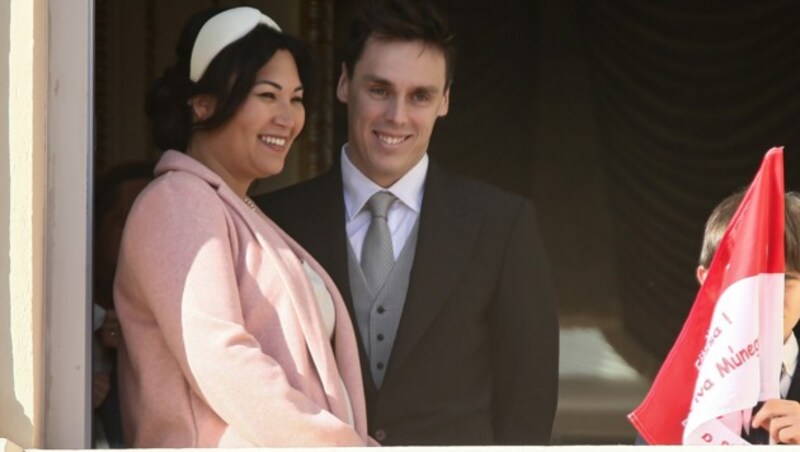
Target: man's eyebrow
{"x":377,"y":79}
{"x":382,"y":81}
{"x":276,"y":85}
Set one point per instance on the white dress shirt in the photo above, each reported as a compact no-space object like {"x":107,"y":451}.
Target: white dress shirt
{"x":402,"y":215}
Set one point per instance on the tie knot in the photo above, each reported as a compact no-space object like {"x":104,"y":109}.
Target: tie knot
{"x":379,"y":203}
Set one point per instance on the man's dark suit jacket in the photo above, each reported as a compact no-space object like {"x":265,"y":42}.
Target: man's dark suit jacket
{"x":475,"y":359}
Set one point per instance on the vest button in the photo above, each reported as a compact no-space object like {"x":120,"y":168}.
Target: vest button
{"x":381,"y":337}
{"x":381,"y":309}
{"x":380,"y":366}
{"x":380,"y":435}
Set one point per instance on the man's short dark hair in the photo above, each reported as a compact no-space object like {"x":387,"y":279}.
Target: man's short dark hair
{"x":401,"y":20}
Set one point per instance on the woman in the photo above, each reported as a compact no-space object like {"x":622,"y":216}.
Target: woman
{"x":232,"y":334}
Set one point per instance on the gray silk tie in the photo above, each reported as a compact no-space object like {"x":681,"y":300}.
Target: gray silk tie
{"x":377,"y":254}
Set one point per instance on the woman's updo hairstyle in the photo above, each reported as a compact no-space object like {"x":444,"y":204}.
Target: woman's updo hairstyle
{"x":228,"y":77}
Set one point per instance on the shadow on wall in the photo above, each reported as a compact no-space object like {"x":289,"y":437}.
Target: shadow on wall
{"x":14,"y":424}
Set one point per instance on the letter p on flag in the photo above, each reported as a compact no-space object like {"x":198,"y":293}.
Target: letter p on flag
{"x":742,"y":296}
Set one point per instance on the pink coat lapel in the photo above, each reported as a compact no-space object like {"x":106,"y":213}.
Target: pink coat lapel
{"x":344,"y":337}
{"x":288,"y":256}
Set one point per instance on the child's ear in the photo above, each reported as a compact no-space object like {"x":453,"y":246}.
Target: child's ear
{"x":701,"y":274}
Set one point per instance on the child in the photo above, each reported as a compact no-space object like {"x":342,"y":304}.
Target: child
{"x":115,"y":192}
{"x":779,"y":417}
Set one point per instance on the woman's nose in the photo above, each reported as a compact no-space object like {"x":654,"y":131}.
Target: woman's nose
{"x":283,"y":115}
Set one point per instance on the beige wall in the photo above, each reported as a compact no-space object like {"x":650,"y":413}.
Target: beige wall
{"x":23,"y":51}
{"x":8,"y":446}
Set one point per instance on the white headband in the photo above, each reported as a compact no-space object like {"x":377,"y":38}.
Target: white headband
{"x":222,"y":30}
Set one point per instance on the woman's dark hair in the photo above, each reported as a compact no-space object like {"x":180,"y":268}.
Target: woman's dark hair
{"x":228,"y":79}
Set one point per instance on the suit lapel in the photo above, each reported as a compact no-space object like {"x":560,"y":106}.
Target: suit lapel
{"x":447,"y":231}
{"x":324,"y":234}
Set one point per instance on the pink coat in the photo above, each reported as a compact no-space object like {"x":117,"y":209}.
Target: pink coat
{"x":224,"y":341}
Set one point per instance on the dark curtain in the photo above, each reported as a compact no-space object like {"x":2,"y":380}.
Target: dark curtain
{"x":520,"y":119}
{"x":688,"y":97}
{"x":490,"y":119}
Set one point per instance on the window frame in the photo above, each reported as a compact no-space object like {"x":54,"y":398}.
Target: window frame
{"x":67,"y":355}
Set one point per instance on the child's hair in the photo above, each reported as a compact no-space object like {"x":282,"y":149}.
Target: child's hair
{"x":721,"y":215}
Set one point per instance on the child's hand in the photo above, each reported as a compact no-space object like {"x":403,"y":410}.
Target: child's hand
{"x":101,"y":385}
{"x":781,"y":418}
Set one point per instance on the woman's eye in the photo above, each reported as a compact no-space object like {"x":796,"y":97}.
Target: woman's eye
{"x":267,"y":95}
{"x":297,"y":100}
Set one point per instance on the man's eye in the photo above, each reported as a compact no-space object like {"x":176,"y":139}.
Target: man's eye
{"x":378,"y":91}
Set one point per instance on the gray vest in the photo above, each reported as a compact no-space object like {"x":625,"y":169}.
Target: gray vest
{"x":378,"y":315}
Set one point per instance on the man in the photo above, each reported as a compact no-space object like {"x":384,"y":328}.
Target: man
{"x":458,"y":329}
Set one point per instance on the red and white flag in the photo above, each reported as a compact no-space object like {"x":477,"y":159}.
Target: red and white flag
{"x":728,"y":354}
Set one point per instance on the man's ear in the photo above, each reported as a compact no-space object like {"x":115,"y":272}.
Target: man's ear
{"x":701,"y":274}
{"x":202,"y":106}
{"x":343,"y":86}
{"x":444,"y":107}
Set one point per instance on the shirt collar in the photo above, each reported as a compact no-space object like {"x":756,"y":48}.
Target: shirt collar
{"x":790,"y":350}
{"x":358,"y":188}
